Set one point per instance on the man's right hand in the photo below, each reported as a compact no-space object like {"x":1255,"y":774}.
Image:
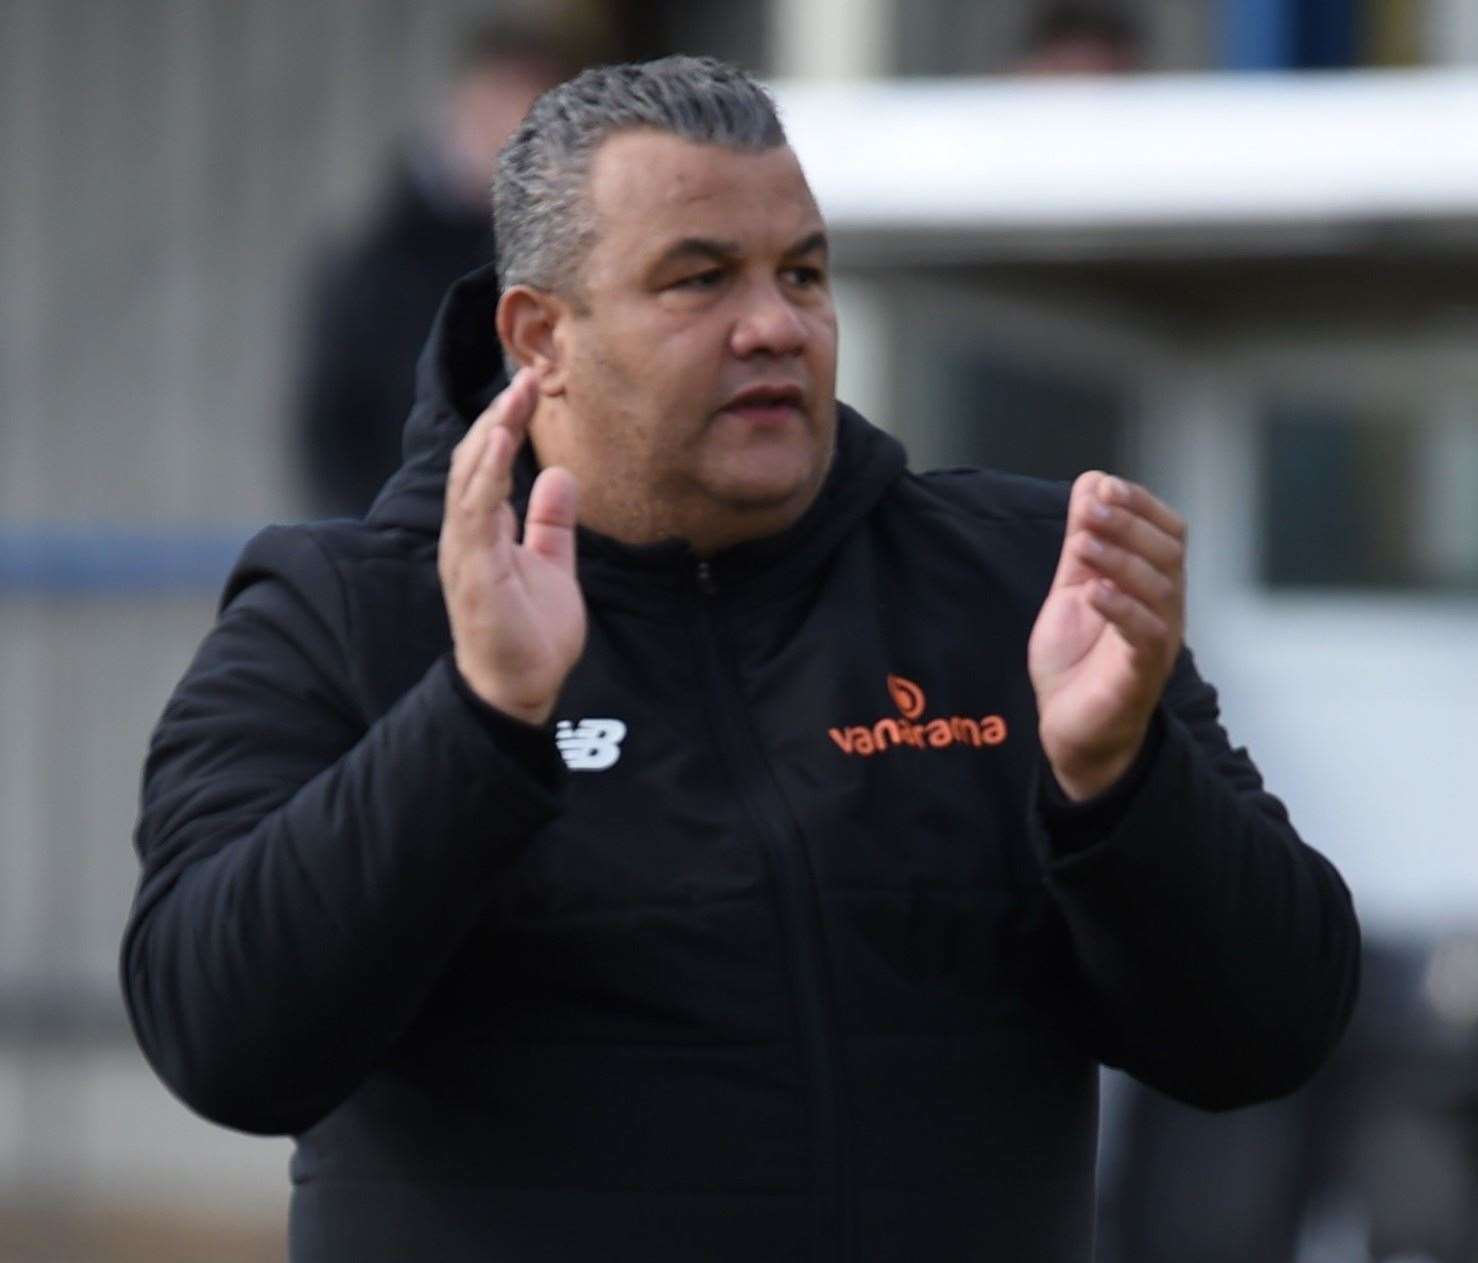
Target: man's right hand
{"x":517,"y":616}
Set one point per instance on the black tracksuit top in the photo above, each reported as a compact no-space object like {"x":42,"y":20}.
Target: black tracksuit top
{"x":802,"y":958}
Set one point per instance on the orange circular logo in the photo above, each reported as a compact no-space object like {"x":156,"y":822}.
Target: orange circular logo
{"x":907,"y":696}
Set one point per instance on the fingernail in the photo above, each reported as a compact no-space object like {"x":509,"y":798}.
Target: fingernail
{"x":1099,"y":511}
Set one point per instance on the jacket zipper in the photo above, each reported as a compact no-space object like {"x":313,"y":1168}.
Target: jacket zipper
{"x":799,"y":908}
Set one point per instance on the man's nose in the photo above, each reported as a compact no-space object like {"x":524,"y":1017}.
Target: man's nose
{"x":769,"y":324}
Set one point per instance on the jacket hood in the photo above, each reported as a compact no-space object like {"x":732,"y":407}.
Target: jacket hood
{"x":461,"y":371}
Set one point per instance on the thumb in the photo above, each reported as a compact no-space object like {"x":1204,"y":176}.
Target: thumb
{"x":549,"y":524}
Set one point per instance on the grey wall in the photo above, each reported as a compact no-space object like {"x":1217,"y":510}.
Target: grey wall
{"x":166,"y":168}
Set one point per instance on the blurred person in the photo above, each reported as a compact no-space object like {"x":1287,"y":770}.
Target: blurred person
{"x":372,"y":302}
{"x":666,"y":827}
{"x":1371,"y":1149}
{"x":1081,"y":38}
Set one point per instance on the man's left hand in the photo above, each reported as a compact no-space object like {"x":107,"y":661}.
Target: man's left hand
{"x":1109,"y":631}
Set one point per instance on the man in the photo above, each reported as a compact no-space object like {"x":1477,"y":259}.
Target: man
{"x":715,"y":871}
{"x":1074,"y":38}
{"x":373,"y":299}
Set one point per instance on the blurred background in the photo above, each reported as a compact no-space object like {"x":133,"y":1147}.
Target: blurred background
{"x":1229,"y":247}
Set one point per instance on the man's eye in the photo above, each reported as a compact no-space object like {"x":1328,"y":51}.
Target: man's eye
{"x":804,"y":276}
{"x":701,"y":280}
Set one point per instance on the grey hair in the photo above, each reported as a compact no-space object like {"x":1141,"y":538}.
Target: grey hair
{"x":543,"y":223}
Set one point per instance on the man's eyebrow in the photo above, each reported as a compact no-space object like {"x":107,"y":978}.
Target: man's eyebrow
{"x":810,"y":244}
{"x":703,"y":247}
{"x":725,"y":251}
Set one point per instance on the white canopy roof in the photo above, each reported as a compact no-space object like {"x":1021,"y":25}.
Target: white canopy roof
{"x":1149,"y":152}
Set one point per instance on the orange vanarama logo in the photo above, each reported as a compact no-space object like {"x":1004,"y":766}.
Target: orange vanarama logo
{"x":913,"y":730}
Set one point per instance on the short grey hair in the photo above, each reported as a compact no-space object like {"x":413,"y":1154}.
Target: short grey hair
{"x":541,"y":217}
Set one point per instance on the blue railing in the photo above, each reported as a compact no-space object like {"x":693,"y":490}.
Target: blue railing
{"x":1290,"y":34}
{"x":100,"y":560}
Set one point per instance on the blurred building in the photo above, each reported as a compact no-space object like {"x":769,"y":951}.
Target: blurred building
{"x":1259,"y":293}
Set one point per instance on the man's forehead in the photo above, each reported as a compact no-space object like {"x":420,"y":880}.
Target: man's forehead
{"x":662,"y":185}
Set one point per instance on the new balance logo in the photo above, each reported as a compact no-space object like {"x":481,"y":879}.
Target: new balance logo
{"x":592,"y":745}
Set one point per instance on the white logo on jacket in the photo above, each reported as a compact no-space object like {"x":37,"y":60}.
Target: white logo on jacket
{"x":592,"y":745}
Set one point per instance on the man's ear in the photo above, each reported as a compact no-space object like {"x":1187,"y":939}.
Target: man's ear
{"x":529,"y":323}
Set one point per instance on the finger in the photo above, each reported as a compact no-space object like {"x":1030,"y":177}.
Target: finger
{"x":464,"y":460}
{"x":512,"y":407}
{"x":1137,"y":535}
{"x":1144,"y":630}
{"x":1131,"y":573}
{"x":479,"y":524}
{"x":1141,"y":503}
{"x":549,"y":524}
{"x":469,"y":451}
{"x":1081,"y":500}
{"x":489,"y":483}
{"x":1070,"y":568}
{"x":1085,"y":493}
{"x":510,"y":416}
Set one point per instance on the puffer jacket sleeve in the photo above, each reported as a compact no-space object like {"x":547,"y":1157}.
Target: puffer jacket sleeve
{"x":1220,"y":953}
{"x":307,"y":874}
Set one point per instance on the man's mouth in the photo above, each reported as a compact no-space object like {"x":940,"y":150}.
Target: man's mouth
{"x":767,"y":403}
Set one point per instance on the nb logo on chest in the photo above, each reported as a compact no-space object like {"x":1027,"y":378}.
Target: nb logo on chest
{"x":592,"y":745}
{"x":913,"y":728}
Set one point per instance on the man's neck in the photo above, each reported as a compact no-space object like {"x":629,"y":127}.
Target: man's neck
{"x":705,"y":526}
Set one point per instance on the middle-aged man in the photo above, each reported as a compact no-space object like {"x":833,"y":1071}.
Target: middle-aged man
{"x":889,"y":805}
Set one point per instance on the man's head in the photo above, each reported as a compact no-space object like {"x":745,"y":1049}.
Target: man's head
{"x":498,"y":68}
{"x":1081,"y":37}
{"x":665,"y":274}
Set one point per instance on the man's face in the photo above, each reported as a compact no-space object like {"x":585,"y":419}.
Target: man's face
{"x":484,"y":108}
{"x":700,"y":355}
{"x":1081,"y":55}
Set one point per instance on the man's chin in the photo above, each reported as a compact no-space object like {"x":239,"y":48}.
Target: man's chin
{"x":766,"y":474}
{"x":766,"y":478}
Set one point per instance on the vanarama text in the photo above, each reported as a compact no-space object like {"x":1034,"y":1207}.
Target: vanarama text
{"x":909,"y":730}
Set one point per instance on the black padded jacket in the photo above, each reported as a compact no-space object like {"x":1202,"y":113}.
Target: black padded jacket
{"x":792,"y":955}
